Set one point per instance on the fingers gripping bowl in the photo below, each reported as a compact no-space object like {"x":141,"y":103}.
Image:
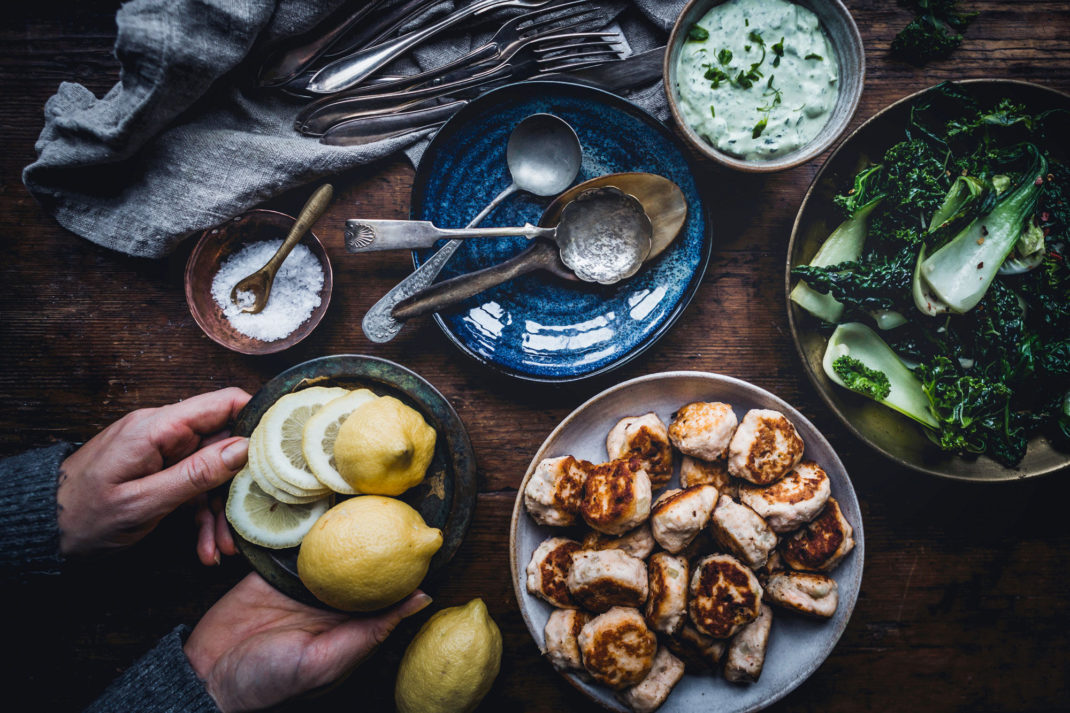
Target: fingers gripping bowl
{"x":796,"y":645}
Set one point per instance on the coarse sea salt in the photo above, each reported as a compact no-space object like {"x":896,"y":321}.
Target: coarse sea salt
{"x":294,"y":294}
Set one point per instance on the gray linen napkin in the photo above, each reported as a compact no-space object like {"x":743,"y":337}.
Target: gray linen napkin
{"x":185,"y":141}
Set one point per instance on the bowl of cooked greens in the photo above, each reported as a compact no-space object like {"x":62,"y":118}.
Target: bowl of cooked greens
{"x":928,"y":284}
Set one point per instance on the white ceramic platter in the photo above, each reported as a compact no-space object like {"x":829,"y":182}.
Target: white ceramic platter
{"x":797,"y":646}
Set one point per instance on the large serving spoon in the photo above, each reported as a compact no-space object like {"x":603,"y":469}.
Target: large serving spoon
{"x":603,"y":236}
{"x":662,"y":200}
{"x":543,"y":156}
{"x":258,"y":284}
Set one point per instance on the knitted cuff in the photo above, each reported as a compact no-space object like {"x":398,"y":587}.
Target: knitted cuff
{"x":29,"y":534}
{"x":161,"y":681}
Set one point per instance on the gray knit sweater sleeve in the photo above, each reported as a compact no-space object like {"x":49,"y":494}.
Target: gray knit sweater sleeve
{"x":29,"y":535}
{"x":162,"y":681}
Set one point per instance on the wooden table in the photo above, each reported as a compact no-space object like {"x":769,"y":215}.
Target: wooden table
{"x":964,"y":602}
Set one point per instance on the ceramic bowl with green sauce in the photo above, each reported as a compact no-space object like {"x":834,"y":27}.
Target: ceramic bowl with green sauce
{"x":763,"y":85}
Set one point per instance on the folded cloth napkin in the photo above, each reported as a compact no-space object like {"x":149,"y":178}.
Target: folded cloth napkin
{"x":186,"y":141}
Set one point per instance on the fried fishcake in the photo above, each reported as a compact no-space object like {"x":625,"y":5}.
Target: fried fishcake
{"x":679,"y":515}
{"x":646,"y":438}
{"x":560,"y":634}
{"x":638,"y":542}
{"x":820,"y":545}
{"x":743,"y":532}
{"x":703,"y":429}
{"x":666,"y":604}
{"x":616,"y":496}
{"x":617,"y":647}
{"x":792,"y":501}
{"x":725,"y":595}
{"x":555,"y":491}
{"x":549,"y":568}
{"x":764,"y":448}
{"x":648,"y":695}
{"x":695,"y":471}
{"x":698,"y":651}
{"x":601,"y":579}
{"x":808,"y":593}
{"x":745,"y":656}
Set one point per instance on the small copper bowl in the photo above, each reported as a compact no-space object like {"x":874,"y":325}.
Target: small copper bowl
{"x":213,"y":248}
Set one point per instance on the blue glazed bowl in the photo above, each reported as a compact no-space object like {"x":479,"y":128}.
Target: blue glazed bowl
{"x":539,"y":327}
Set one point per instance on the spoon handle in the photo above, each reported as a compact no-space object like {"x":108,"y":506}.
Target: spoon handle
{"x":449,"y":292}
{"x":314,"y":207}
{"x":371,"y":235}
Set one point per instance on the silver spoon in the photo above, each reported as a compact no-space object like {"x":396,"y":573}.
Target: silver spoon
{"x":603,"y":235}
{"x":543,"y":155}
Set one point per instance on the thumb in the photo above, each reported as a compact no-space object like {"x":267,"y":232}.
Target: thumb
{"x":198,"y":473}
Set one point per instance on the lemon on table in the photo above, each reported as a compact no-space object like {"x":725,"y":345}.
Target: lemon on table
{"x":384,"y":447}
{"x":451,"y":663}
{"x":321,"y":430}
{"x":263,"y":520}
{"x":281,"y":430}
{"x":366,"y":553}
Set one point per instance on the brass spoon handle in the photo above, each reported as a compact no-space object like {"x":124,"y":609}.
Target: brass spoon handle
{"x":315,"y":207}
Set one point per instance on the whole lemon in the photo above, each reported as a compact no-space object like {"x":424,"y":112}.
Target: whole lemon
{"x":451,"y":663}
{"x":366,"y":553}
{"x":384,"y":447}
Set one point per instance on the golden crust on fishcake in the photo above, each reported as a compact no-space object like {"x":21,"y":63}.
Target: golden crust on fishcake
{"x":644,"y":437}
{"x":666,"y":604}
{"x":725,"y":595}
{"x":695,"y":649}
{"x":764,"y":448}
{"x":807,"y":593}
{"x":695,"y":471}
{"x":616,"y":496}
{"x":745,"y":656}
{"x":638,"y":542}
{"x":549,"y":568}
{"x":792,"y":501}
{"x":554,"y":491}
{"x":677,"y":516}
{"x":820,"y":545}
{"x":561,"y":632}
{"x":743,"y":532}
{"x":618,"y":647}
{"x":602,"y":579}
{"x":703,"y":429}
{"x":648,"y":695}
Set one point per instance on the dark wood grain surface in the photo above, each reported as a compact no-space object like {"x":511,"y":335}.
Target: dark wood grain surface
{"x":964,"y":603}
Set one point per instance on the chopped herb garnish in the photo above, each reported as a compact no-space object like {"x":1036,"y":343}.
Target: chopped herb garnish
{"x":713,"y":112}
{"x":814,"y":55}
{"x":744,"y":80}
{"x":770,"y":82}
{"x":778,"y":50}
{"x":724,"y":56}
{"x":715,"y":75}
{"x":697,"y":34}
{"x":759,"y":128}
{"x":746,"y":22}
{"x":746,"y":47}
{"x":756,"y":37}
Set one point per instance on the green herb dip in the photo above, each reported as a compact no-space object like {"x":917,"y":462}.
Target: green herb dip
{"x":757,"y":78}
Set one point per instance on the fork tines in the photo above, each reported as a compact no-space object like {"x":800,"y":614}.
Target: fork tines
{"x":563,"y":56}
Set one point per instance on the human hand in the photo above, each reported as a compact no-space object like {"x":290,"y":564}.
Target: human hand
{"x":257,"y":647}
{"x":118,"y":486}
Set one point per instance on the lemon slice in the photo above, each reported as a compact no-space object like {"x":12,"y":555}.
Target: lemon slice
{"x":317,"y":444}
{"x":263,"y":520}
{"x":282,"y":427}
{"x":264,"y":475}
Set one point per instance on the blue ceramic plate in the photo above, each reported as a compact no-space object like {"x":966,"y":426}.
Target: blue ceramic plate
{"x":538,"y":327}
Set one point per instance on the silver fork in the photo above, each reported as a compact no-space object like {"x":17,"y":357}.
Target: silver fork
{"x":352,"y":69}
{"x":553,"y":53}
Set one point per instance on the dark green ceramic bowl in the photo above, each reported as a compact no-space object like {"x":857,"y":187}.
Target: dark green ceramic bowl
{"x":446,"y":497}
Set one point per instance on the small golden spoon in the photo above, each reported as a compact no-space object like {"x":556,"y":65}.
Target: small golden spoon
{"x":259,"y":283}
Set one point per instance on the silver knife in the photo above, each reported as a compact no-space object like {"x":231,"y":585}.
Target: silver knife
{"x":613,"y":76}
